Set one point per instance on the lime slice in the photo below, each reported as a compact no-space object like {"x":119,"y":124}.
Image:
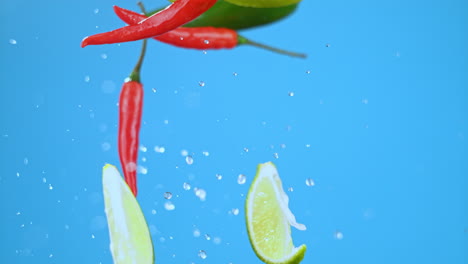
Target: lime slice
{"x":130,"y":240}
{"x":269,"y":219}
{"x":263,"y":3}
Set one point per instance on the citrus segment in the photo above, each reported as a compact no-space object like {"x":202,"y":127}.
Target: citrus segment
{"x":130,"y":240}
{"x":269,"y":219}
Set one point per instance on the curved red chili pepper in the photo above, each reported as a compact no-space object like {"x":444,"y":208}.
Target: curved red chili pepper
{"x":175,"y":15}
{"x":130,"y":109}
{"x":194,"y":38}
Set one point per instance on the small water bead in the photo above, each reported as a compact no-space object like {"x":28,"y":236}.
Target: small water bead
{"x":51,"y":187}
{"x":189,"y":160}
{"x":143,"y":159}
{"x":143,"y":148}
{"x":365,"y":101}
{"x":87,"y":78}
{"x":308,"y":71}
{"x":206,"y":41}
{"x":310,"y":182}
{"x":153,"y":212}
{"x":104,"y":56}
{"x":235,"y":74}
{"x":202,"y":254}
{"x":290,"y":189}
{"x":217,"y":240}
{"x":327,"y":45}
{"x":92,"y":236}
{"x":186,"y":186}
{"x":283,"y":146}
{"x":17,"y":174}
{"x":13,"y":42}
{"x":307,"y":145}
{"x":200,"y":193}
{"x":159,"y":149}
{"x":241,"y":179}
{"x":166,"y":122}
{"x":142,"y":170}
{"x":105,"y":146}
{"x":219,"y":176}
{"x":168,"y":195}
{"x":201,"y":83}
{"x":246,"y":150}
{"x":169,"y":206}
{"x":291,"y":94}
{"x":154,"y":90}
{"x":205,"y":52}
{"x":275,"y":155}
{"x":184,"y":152}
{"x":205,"y":153}
{"x":235,"y":211}
{"x":207,"y":237}
{"x":338,"y":235}
{"x":26,"y":161}
{"x":196,"y":232}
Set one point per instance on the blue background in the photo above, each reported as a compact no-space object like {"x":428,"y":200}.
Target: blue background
{"x":383,"y":110}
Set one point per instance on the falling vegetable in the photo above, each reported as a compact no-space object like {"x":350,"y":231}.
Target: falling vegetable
{"x":130,"y":110}
{"x":201,"y":38}
{"x":175,"y":15}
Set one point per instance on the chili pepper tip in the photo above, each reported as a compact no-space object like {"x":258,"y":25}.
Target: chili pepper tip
{"x":84,"y":42}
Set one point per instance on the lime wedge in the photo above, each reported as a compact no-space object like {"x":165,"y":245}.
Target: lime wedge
{"x":130,"y":240}
{"x":263,"y":3}
{"x":269,"y":219}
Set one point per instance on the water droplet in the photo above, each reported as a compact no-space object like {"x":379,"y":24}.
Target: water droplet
{"x":241,"y":179}
{"x":105,"y":146}
{"x":154,"y":90}
{"x":51,"y":187}
{"x":44,"y":180}
{"x":290,"y":189}
{"x":92,"y":236}
{"x":51,"y":255}
{"x":196,"y":232}
{"x":184,"y":152}
{"x":142,"y":170}
{"x":159,"y":149}
{"x":275,"y":155}
{"x":189,"y":160}
{"x":246,"y":150}
{"x":283,"y":146}
{"x":204,"y":52}
{"x":338,"y":235}
{"x":202,"y":254}
{"x":309,"y":182}
{"x":67,"y":227}
{"x":201,"y":83}
{"x":104,"y":56}
{"x":235,"y":74}
{"x":327,"y":45}
{"x":365,"y":101}
{"x":205,"y":153}
{"x":153,"y":212}
{"x":143,"y":148}
{"x":308,"y":71}
{"x":206,"y":41}
{"x":18,"y":213}
{"x":169,"y":206}
{"x":217,"y":240}
{"x":291,"y":93}
{"x":143,"y":159}
{"x":200,"y":193}
{"x":235,"y":211}
{"x":87,"y":78}
{"x":26,"y":161}
{"x":167,"y":195}
{"x":186,"y":186}
{"x":307,"y":145}
{"x":96,"y":10}
{"x":219,"y":176}
{"x":166,"y":122}
{"x":12,"y":41}
{"x":17,"y":174}
{"x":207,"y":237}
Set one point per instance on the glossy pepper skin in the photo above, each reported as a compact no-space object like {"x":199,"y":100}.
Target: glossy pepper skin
{"x":193,"y":38}
{"x":130,"y":110}
{"x":177,"y":14}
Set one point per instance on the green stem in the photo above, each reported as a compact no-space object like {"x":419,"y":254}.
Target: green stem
{"x":142,"y":7}
{"x":242,"y":40}
{"x":135,"y":75}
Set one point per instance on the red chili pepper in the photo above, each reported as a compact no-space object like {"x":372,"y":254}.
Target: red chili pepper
{"x":130,"y":110}
{"x":177,"y":14}
{"x":194,"y":38}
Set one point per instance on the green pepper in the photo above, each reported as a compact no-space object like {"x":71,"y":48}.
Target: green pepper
{"x":227,"y":15}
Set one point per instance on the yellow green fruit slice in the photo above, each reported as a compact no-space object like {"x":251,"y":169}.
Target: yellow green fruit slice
{"x":269,"y":219}
{"x":130,"y":240}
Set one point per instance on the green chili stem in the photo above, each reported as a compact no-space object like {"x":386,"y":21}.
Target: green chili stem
{"x":135,"y":75}
{"x":242,"y":40}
